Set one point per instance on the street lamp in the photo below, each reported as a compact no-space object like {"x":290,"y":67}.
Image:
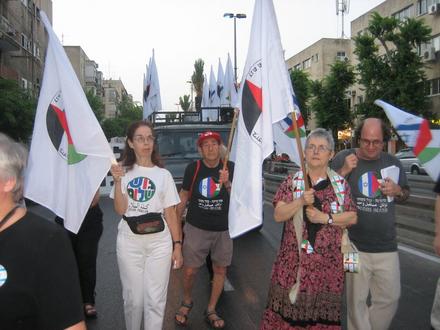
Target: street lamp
{"x":235,"y":16}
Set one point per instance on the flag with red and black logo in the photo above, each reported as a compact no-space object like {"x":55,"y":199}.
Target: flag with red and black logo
{"x":69,"y":155}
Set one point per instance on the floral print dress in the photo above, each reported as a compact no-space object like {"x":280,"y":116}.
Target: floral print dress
{"x":319,"y":300}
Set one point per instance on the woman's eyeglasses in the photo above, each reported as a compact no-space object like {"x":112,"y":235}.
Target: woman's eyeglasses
{"x":319,"y":149}
{"x":144,"y":139}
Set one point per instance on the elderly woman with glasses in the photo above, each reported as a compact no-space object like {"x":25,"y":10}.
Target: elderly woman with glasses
{"x":39,"y":286}
{"x":149,"y":236}
{"x":308,"y":275}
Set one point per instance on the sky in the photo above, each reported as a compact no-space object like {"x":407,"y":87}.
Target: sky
{"x":120,"y":35}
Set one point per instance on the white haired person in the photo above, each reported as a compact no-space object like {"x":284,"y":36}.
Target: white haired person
{"x":39,"y":286}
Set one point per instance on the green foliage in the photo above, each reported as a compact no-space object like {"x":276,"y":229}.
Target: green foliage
{"x":185,"y":102}
{"x":96,"y":105}
{"x":330,"y":103}
{"x":127,"y":112}
{"x":197,"y":79}
{"x":396,"y":74}
{"x":17,"y":110}
{"x":302,"y":87}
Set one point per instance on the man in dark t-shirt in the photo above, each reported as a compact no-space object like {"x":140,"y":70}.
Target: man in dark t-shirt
{"x":377,"y":180}
{"x":206,"y":187}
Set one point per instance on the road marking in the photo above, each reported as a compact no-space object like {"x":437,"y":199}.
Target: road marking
{"x":419,"y":253}
{"x":227,"y":286}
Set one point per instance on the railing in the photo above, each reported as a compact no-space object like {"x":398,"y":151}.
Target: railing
{"x":207,"y":115}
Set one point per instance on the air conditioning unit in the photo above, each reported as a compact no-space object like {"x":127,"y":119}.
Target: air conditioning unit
{"x":429,"y":55}
{"x":434,"y":9}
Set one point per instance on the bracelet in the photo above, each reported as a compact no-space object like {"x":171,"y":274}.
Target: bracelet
{"x":177,"y":242}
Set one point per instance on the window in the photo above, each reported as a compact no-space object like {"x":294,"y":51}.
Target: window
{"x":426,"y":47}
{"x":24,"y":83}
{"x":25,"y":2}
{"x":316,"y":57}
{"x":423,"y":6}
{"x":404,"y":13}
{"x":297,"y":66}
{"x":433,"y":86}
{"x":307,"y":63}
{"x":24,"y":41}
{"x":340,"y":56}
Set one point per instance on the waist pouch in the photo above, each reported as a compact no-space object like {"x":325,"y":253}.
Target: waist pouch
{"x":148,"y":223}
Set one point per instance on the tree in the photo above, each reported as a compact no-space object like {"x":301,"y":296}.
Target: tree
{"x":394,"y":74}
{"x":302,"y":87}
{"x":185,"y":102}
{"x":96,"y":104}
{"x":17,"y":110}
{"x":330,"y":103}
{"x":127,"y":111}
{"x":197,"y":79}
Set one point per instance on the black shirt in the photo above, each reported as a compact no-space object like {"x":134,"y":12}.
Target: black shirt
{"x":38,"y":277}
{"x":209,"y":204}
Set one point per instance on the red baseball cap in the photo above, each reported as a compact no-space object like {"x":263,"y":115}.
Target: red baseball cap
{"x":209,"y":135}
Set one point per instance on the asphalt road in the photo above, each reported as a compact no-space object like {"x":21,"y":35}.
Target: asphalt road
{"x":249,"y":276}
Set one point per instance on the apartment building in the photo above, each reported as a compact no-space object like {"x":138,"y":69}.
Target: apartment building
{"x":113,"y":92}
{"x":317,"y":58}
{"x":429,"y":12}
{"x":86,"y":70}
{"x":23,"y":41}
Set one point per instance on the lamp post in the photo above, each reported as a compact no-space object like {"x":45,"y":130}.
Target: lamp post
{"x":235,"y":16}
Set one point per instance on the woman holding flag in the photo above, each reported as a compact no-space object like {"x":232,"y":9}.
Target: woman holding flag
{"x":308,"y":276}
{"x":149,"y":236}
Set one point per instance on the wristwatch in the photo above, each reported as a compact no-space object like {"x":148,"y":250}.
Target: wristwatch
{"x":330,"y":219}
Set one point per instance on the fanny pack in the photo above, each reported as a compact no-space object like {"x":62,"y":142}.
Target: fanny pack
{"x":148,"y":223}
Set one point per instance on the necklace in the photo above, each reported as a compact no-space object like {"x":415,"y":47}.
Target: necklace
{"x":8,"y":216}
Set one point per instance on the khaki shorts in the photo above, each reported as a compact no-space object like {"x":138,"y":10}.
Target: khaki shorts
{"x":198,"y":243}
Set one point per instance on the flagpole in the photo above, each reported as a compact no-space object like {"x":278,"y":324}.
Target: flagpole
{"x":231,"y":138}
{"x":300,"y":150}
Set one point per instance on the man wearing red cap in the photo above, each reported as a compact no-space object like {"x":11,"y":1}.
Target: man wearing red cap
{"x":205,"y":188}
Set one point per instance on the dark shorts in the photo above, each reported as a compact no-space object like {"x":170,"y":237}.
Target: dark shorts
{"x":198,"y":243}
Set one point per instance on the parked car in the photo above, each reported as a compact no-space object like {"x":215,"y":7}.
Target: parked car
{"x":410,"y":162}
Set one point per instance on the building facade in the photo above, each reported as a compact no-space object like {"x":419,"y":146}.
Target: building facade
{"x":23,"y":41}
{"x":113,"y":90}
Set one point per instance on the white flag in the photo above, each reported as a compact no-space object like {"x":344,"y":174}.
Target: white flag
{"x":229,"y":87}
{"x":69,"y":155}
{"x":205,"y":95}
{"x":416,"y":133}
{"x":266,"y":99}
{"x":213,"y":98}
{"x":153,"y":101}
{"x":220,"y":87}
{"x":145,"y":90}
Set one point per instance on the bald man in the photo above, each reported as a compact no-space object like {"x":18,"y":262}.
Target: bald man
{"x":374,"y":234}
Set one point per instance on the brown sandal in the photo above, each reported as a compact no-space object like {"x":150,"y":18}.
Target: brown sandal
{"x":183,"y":323}
{"x":211,"y":317}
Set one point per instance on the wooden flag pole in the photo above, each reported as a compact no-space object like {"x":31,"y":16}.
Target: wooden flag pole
{"x":231,"y":138}
{"x":300,"y":150}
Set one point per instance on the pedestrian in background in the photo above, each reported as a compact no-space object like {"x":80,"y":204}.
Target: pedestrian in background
{"x":85,"y":247}
{"x":435,"y":312}
{"x":307,"y":279}
{"x":375,"y":232}
{"x":39,"y":286}
{"x":149,"y":235}
{"x":206,"y":188}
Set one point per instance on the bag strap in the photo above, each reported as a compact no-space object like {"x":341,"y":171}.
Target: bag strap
{"x":194,"y":178}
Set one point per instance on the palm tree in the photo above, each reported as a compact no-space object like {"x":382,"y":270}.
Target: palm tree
{"x":197,"y":81}
{"x":185,"y":102}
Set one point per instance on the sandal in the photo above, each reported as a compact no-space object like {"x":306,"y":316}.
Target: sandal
{"x":180,"y":313}
{"x":90,"y":311}
{"x":212,"y":318}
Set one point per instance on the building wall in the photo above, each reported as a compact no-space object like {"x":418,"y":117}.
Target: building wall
{"x":113,"y":92}
{"x":23,"y":41}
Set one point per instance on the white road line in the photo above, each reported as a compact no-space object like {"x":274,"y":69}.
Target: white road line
{"x":419,"y":253}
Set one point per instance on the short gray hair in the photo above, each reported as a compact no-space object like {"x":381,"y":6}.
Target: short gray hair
{"x":323,"y":134}
{"x":13,"y":160}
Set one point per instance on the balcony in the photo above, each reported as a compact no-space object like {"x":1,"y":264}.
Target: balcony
{"x":8,"y":36}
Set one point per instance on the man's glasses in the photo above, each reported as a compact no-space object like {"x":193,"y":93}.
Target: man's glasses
{"x":374,"y":143}
{"x":144,"y":139}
